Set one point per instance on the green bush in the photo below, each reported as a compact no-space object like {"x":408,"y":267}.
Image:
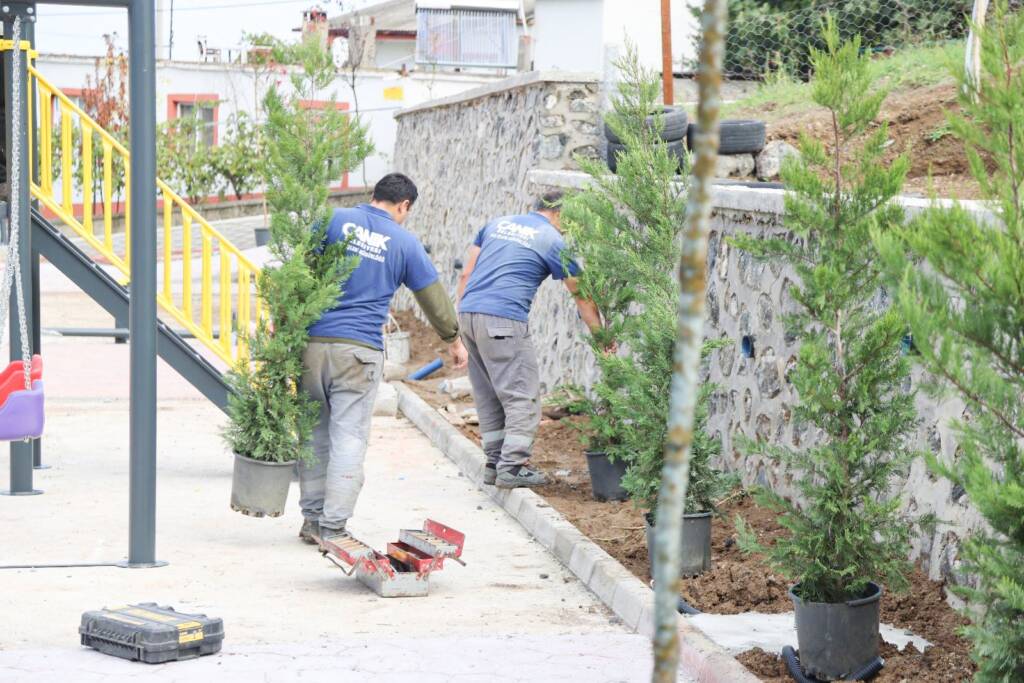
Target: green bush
{"x":626,"y":231}
{"x":240,"y":158}
{"x":846,"y":531}
{"x":965,"y":308}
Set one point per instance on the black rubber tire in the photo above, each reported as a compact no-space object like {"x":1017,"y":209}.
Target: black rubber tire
{"x":675,"y":122}
{"x":675,"y":148}
{"x":736,"y":136}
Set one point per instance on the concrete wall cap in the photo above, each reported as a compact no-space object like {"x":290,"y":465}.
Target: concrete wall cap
{"x":519,"y":81}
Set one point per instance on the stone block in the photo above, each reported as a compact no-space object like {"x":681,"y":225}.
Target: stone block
{"x":769,"y":162}
{"x":584,"y":558}
{"x":386,"y":402}
{"x":628,"y":601}
{"x":606,"y":578}
{"x":734,"y":165}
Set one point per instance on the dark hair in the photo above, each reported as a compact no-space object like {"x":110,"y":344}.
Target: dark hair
{"x":395,"y":188}
{"x":549,"y":201}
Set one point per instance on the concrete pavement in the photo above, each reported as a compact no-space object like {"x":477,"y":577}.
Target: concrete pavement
{"x":513,"y":613}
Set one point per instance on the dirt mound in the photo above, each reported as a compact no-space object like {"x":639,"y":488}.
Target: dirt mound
{"x":917,"y":126}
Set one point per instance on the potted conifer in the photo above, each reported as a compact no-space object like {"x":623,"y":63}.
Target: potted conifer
{"x":271,"y":417}
{"x":967,"y":303}
{"x":625,"y":230}
{"x":846,"y":537}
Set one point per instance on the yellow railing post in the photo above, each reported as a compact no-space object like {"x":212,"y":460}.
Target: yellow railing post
{"x":66,"y":173}
{"x":168,"y":238}
{"x":127,"y":215}
{"x":87,"y":177}
{"x":243,"y":312}
{"x":206,"y":287}
{"x":186,"y":264}
{"x":225,"y":300}
{"x":108,"y":196}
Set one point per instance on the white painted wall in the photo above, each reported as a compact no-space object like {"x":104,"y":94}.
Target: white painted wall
{"x":380,"y":94}
{"x":568,"y":35}
{"x":581,"y":35}
{"x":391,"y":54}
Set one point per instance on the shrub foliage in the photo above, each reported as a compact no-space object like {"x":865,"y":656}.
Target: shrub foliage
{"x":850,"y":370}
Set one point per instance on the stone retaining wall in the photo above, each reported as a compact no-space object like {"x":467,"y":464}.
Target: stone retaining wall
{"x":470,"y":157}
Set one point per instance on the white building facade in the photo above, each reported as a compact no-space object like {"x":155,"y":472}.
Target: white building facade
{"x":225,"y":89}
{"x":588,"y":35}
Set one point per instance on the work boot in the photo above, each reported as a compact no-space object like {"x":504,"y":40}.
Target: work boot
{"x":328,"y":535}
{"x":490,"y":473}
{"x":520,"y":476}
{"x":310,"y":532}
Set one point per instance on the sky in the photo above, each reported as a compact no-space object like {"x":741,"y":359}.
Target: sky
{"x":79,"y":30}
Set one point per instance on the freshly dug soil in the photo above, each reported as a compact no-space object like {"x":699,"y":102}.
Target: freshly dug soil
{"x":736,"y":582}
{"x":917,"y":126}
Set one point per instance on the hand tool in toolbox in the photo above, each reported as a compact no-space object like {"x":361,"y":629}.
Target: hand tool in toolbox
{"x":404,"y":570}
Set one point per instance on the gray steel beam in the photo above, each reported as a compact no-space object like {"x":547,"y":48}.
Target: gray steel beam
{"x":142,"y":307}
{"x":37,"y":337}
{"x":21,"y":451}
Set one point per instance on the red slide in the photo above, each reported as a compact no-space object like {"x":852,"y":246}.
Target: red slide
{"x":13,"y":377}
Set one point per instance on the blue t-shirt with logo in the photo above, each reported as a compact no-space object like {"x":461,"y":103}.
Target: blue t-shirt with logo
{"x":389,"y":257}
{"x":516,"y":254}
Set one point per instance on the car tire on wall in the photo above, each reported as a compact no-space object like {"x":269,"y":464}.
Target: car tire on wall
{"x":675,"y":148}
{"x":736,"y":136}
{"x":675,"y":123}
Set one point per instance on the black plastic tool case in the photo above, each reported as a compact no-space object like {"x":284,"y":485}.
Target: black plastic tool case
{"x":149,"y":633}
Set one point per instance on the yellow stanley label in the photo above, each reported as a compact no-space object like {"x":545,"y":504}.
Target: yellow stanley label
{"x":189,"y":632}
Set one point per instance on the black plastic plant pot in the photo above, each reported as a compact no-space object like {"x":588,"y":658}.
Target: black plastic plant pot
{"x":260,"y":489}
{"x":606,"y":476}
{"x":695,"y":551}
{"x":837,"y":639}
{"x":262,"y":236}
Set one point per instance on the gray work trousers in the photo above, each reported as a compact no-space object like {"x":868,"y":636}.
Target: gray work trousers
{"x":506,"y":386}
{"x":343,"y":378}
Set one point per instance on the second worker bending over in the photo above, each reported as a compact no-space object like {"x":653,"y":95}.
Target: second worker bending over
{"x":510,"y":257}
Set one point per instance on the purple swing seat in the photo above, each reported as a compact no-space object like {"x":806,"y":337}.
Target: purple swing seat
{"x":21,"y":415}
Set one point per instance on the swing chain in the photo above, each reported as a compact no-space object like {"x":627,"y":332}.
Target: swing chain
{"x":12,"y":273}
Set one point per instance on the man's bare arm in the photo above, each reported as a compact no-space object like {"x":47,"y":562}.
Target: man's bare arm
{"x":467,"y":270}
{"x":587,"y":308}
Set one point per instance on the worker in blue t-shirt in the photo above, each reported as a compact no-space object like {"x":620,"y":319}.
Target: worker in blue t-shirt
{"x":344,"y":358}
{"x":509,"y":259}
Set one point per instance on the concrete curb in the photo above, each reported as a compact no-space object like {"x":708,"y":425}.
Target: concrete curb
{"x":614,"y":585}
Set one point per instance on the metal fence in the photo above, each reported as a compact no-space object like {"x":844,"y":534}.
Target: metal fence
{"x":772,"y":36}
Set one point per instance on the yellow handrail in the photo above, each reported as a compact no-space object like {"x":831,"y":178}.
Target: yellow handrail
{"x":232,"y":297}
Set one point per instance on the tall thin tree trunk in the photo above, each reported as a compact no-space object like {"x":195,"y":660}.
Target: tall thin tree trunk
{"x":685,"y":375}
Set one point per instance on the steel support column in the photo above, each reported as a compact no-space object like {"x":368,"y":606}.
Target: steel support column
{"x":142,"y":307}
{"x":21,"y":451}
{"x":37,"y":338}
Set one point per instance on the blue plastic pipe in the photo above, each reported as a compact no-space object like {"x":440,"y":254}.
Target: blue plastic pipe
{"x":428,"y":369}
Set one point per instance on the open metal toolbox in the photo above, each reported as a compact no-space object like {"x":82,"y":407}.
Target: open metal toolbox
{"x":404,"y":570}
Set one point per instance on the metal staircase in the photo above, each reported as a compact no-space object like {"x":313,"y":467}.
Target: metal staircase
{"x":207,"y":286}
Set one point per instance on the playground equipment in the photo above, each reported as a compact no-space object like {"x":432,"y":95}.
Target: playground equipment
{"x":404,"y":570}
{"x":217,"y":295}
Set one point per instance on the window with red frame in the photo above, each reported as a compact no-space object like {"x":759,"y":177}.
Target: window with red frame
{"x":205,"y":106}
